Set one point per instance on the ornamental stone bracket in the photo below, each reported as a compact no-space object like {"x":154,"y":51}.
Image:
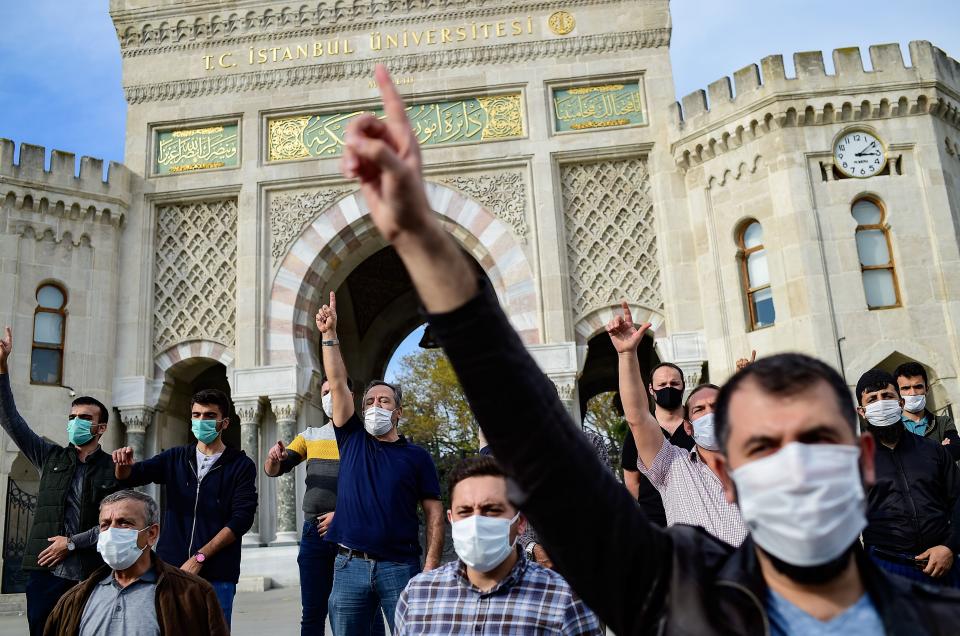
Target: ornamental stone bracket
{"x":561,"y":363}
{"x":136,"y":421}
{"x":283,"y":380}
{"x":285,"y":410}
{"x":687,"y":350}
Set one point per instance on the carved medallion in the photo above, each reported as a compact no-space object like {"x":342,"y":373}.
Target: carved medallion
{"x":561,"y":22}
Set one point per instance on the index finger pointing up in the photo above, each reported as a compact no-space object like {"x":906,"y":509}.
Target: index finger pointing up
{"x":627,"y":314}
{"x":333,"y":301}
{"x":392,"y":102}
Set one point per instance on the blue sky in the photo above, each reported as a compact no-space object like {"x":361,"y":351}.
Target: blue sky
{"x":60,"y":61}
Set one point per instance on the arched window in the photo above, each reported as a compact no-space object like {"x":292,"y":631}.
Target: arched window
{"x":49,"y":325}
{"x":876,"y":262}
{"x":756,"y":276}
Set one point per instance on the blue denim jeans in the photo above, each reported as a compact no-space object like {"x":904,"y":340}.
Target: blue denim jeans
{"x":358,"y":584}
{"x":43,"y":591}
{"x":225,"y":592}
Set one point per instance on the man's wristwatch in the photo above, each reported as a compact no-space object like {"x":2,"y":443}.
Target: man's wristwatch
{"x":200,"y":557}
{"x":71,"y":546}
{"x":330,"y":343}
{"x":528,"y":551}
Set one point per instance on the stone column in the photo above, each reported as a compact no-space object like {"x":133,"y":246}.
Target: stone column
{"x":136,"y":421}
{"x":692,"y":374}
{"x":285,"y":410}
{"x":249,"y":414}
{"x":566,"y":385}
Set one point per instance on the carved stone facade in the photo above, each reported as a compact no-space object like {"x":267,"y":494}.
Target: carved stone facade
{"x":290,"y":212}
{"x":611,"y":234}
{"x":195,"y":285}
{"x":503,"y":193}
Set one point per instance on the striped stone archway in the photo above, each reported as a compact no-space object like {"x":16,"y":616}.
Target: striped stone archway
{"x":191,"y":349}
{"x":340,"y":230}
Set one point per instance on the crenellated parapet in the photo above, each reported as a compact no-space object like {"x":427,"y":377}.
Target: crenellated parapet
{"x":35,"y":195}
{"x":760,"y":99}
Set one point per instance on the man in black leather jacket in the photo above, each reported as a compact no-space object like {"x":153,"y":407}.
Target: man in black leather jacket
{"x":641,"y":579}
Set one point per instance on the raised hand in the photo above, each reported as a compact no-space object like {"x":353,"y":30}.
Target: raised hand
{"x":277,"y":453}
{"x":327,"y":317}
{"x":123,"y":456}
{"x":742,"y":363}
{"x":385,"y":156}
{"x":6,"y":346}
{"x":623,"y":333}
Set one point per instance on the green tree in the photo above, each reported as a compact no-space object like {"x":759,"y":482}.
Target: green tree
{"x":604,"y":418}
{"x":435,"y":411}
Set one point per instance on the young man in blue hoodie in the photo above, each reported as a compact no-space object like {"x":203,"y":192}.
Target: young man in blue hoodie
{"x":211,"y":497}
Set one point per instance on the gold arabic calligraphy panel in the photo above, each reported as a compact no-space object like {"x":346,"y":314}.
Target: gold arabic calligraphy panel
{"x":196,"y":149}
{"x":601,"y":106}
{"x":473,"y":120}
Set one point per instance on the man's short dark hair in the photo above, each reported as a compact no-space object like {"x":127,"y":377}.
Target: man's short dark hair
{"x":482,"y":466}
{"x":785,"y":374}
{"x":86,"y":400}
{"x":698,"y":388}
{"x":874,"y":380}
{"x":910,"y":370}
{"x":683,"y":381}
{"x":215,"y":397}
{"x":397,"y":391}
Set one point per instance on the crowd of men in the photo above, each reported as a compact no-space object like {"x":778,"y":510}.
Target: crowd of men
{"x":763,"y":506}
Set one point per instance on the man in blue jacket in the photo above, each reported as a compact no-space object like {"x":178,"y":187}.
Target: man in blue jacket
{"x":211,"y":497}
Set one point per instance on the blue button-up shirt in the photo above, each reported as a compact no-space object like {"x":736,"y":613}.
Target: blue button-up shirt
{"x":917,"y":428}
{"x":529,"y":600}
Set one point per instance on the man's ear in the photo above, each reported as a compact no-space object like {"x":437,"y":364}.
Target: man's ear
{"x":868,"y":446}
{"x":723,"y":472}
{"x":450,"y":516}
{"x":153,"y":534}
{"x":521,"y":524}
{"x":862,"y":412}
{"x":225,"y":424}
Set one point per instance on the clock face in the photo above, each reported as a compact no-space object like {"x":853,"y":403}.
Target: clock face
{"x":860,"y":154}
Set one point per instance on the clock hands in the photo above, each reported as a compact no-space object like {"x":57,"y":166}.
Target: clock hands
{"x":864,"y":153}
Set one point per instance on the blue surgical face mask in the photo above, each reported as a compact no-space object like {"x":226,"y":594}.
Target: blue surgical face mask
{"x":205,"y":430}
{"x":78,"y":431}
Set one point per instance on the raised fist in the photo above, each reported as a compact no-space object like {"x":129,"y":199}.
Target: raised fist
{"x":6,"y":344}
{"x":123,"y":456}
{"x":277,"y":453}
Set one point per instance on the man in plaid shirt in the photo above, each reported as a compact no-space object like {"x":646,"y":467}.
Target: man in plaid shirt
{"x":491,"y":589}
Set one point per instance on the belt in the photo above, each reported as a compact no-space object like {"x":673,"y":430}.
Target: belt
{"x":351,"y":553}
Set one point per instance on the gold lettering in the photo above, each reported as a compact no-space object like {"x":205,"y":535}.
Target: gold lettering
{"x":486,"y":30}
{"x":500,"y":30}
{"x":223,"y":62}
{"x":516,"y":28}
{"x":275,"y":50}
{"x":405,"y":43}
{"x":416,"y":37}
{"x":346,"y":47}
{"x":206,"y":62}
{"x":301,"y":51}
{"x":333,"y":47}
{"x":461,"y":34}
{"x":251,"y":56}
{"x":261,"y":56}
{"x":529,"y":24}
{"x":287,"y":54}
{"x":431,"y":36}
{"x":375,"y":41}
{"x":445,"y":36}
{"x":317,"y":49}
{"x":392,"y":42}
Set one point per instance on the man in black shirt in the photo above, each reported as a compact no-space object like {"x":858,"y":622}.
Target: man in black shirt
{"x":916,"y":495}
{"x":785,"y":426}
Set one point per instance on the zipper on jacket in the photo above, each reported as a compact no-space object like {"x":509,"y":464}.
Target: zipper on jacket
{"x":756,"y":601}
{"x":196,"y":501}
{"x":913,"y":504}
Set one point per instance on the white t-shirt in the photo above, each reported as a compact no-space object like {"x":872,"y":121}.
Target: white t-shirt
{"x":205,"y":463}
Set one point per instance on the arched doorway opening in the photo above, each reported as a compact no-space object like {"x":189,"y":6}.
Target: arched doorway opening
{"x":181,"y":381}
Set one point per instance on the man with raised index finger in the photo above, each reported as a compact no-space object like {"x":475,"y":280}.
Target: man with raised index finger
{"x":382,"y":480}
{"x":789,"y":456}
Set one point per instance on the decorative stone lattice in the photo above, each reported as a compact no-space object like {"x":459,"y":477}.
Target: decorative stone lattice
{"x":195,"y":273}
{"x":504,"y":194}
{"x":291,"y":212}
{"x":611,"y":238}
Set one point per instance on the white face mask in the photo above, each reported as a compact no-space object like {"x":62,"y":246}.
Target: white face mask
{"x":883,"y":412}
{"x":703,"y":432}
{"x":327,"y":403}
{"x":118,"y":547}
{"x":483,"y":543}
{"x":378,"y":421}
{"x":914,"y":403}
{"x":804,"y":504}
